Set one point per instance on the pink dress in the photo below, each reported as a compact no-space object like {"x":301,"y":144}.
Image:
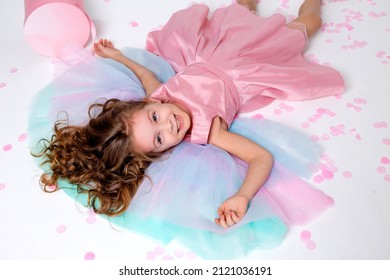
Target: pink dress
{"x":235,"y":62}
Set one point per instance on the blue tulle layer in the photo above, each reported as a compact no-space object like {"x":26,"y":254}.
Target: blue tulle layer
{"x":187,"y":185}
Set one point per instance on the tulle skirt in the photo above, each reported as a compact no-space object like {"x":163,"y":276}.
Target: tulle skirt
{"x":187,"y":185}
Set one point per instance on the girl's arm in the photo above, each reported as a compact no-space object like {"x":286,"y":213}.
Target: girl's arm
{"x":105,"y":48}
{"x":260,"y":163}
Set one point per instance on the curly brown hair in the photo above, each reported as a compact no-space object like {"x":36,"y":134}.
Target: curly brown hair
{"x":97,"y":157}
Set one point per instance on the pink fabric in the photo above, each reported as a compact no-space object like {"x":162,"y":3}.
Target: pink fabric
{"x":294,"y":200}
{"x":246,"y":62}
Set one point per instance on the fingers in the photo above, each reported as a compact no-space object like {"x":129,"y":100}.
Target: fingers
{"x":227,"y":219}
{"x":96,"y":48}
{"x":101,"y":47}
{"x":105,"y":43}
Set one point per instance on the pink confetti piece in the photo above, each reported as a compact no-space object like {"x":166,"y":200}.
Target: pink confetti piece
{"x":380,"y":124}
{"x":322,"y":111}
{"x":2,"y":186}
{"x":286,"y":107}
{"x":337,"y":130}
{"x":325,"y":137}
{"x":323,"y":166}
{"x":385,"y":160}
{"x":22,"y":137}
{"x":376,"y":15}
{"x":89,"y":256}
{"x":7,"y":147}
{"x":305,"y":235}
{"x":386,"y":141}
{"x":380,"y":54}
{"x":61,"y":228}
{"x":360,"y":101}
{"x":318,"y":179}
{"x":327,"y":174}
{"x":387,"y":178}
{"x":91,"y":220}
{"x":315,"y":138}
{"x":90,"y":212}
{"x":134,"y":23}
{"x":13,"y":70}
{"x":357,"y":135}
{"x":325,"y":157}
{"x":311,"y":245}
{"x":159,"y":250}
{"x":3,"y":85}
{"x":179,"y":253}
{"x":150,"y":255}
{"x":347,"y":174}
{"x":333,"y":169}
{"x":278,"y":112}
{"x":258,"y":117}
{"x":356,"y":108}
{"x":360,"y":44}
{"x":381,"y":170}
{"x":191,"y":255}
{"x":330,"y":161}
{"x":290,"y":109}
{"x":306,"y":238}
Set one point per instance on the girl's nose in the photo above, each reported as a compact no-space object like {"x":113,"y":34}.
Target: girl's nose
{"x":167,"y":126}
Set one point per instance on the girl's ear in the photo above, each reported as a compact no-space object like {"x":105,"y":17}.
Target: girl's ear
{"x":152,"y":100}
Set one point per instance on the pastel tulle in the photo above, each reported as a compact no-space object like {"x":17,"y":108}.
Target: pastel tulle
{"x":187,"y":185}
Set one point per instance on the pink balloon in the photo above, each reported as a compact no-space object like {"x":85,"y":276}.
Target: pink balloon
{"x":54,"y":27}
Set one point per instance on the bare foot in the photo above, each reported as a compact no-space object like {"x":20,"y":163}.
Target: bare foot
{"x":250,"y":4}
{"x":309,"y":15}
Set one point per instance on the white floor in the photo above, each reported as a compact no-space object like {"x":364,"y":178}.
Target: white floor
{"x":354,"y":129}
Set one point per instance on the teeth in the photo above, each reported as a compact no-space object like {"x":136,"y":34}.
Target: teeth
{"x":177,"y":123}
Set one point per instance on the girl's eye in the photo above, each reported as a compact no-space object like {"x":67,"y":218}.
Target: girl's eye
{"x":154,"y":117}
{"x":159,"y":140}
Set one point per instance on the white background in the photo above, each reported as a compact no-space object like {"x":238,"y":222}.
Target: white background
{"x":355,"y":40}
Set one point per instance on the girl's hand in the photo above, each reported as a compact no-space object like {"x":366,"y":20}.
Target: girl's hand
{"x":105,"y":49}
{"x":260,"y":163}
{"x":232,"y":210}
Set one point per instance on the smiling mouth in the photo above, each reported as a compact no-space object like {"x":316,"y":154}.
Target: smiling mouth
{"x":177,"y":119}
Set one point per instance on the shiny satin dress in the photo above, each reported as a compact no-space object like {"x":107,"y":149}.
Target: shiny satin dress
{"x":236,"y":62}
{"x":221,"y":65}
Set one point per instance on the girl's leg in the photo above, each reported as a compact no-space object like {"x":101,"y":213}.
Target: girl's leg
{"x":309,"y":15}
{"x":250,"y":4}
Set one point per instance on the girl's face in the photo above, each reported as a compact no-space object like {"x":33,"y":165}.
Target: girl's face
{"x":159,"y":126}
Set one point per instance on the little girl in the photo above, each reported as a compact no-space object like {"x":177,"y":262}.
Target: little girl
{"x":229,"y":63}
